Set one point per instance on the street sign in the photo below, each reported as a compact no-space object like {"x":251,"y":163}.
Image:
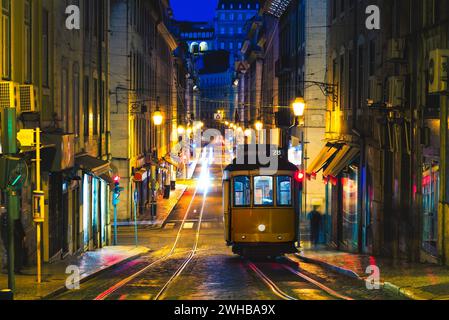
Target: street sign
{"x":218,"y":116}
{"x":26,"y":137}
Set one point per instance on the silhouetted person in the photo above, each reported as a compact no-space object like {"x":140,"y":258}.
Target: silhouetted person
{"x":315,"y":225}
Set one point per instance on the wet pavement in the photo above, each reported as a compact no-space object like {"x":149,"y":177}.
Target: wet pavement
{"x":411,"y":280}
{"x":190,"y":261}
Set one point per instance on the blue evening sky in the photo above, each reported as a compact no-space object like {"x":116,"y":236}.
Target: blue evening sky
{"x":194,"y":10}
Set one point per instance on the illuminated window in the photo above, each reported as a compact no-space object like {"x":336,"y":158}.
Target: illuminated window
{"x":242,"y":191}
{"x":28,"y":43}
{"x":284,"y":191}
{"x":263,"y":191}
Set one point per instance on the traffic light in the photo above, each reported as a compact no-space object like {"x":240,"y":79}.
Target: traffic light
{"x":299,"y":177}
{"x":117,"y":190}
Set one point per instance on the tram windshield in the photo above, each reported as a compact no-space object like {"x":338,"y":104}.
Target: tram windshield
{"x":242,"y":191}
{"x":263,"y":191}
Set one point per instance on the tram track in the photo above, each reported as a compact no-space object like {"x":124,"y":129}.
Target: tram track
{"x":285,"y":264}
{"x":190,"y":253}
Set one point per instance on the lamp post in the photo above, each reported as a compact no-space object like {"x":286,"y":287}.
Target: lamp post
{"x":157,"y":121}
{"x":299,"y":107}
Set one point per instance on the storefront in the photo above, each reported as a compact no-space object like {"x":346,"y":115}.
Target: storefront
{"x":96,"y":183}
{"x":341,"y":173}
{"x":430,"y":190}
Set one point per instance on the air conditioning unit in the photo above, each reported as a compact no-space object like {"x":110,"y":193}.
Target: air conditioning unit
{"x":396,"y":49}
{"x":375,"y":94}
{"x":9,"y":95}
{"x":438,"y":71}
{"x":28,"y":98}
{"x":396,"y":91}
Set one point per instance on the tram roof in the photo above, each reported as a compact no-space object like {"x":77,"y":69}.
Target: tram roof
{"x":253,"y":157}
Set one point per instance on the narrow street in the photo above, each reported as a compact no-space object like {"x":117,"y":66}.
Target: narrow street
{"x":190,"y":261}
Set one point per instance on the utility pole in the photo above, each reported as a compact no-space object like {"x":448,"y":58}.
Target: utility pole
{"x":38,"y":207}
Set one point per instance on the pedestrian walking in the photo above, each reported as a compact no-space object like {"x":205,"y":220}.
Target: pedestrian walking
{"x":315,"y":218}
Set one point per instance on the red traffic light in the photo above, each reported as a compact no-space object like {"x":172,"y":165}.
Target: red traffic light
{"x":299,"y":176}
{"x":116,"y":179}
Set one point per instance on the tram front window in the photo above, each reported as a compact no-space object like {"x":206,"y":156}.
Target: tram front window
{"x":263,"y":191}
{"x":284,"y":191}
{"x":242,"y":191}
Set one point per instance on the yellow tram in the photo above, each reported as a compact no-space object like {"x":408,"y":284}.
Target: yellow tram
{"x":261,"y":207}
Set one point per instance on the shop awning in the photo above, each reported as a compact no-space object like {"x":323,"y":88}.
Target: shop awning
{"x":107,"y":178}
{"x":322,"y":159}
{"x":344,"y":157}
{"x":93,"y":165}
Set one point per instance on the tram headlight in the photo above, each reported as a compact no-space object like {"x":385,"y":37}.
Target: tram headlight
{"x":262,"y":228}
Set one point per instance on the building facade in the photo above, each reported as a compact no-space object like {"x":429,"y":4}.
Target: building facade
{"x":143,"y":81}
{"x":65,"y":77}
{"x":301,"y":70}
{"x":385,"y":148}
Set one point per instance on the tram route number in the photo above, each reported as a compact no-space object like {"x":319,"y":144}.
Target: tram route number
{"x":226,"y":310}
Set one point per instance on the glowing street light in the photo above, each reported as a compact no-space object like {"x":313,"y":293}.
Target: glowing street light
{"x":181,"y":130}
{"x":158,"y":118}
{"x":258,"y":125}
{"x":299,"y":106}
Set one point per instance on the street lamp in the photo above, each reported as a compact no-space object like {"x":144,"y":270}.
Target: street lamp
{"x":158,"y":118}
{"x":258,"y":125}
{"x":181,"y":130}
{"x":299,"y":106}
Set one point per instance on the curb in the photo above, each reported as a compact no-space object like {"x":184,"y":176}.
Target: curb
{"x":92,"y":275}
{"x":388,"y":286}
{"x":341,"y":270}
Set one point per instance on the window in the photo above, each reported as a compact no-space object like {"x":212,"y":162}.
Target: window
{"x":28,"y":42}
{"x":231,"y":46}
{"x":222,"y":30}
{"x":372,"y":57}
{"x":263,"y":191}
{"x":95,"y":107}
{"x":231,"y":31}
{"x":284,"y":191}
{"x":45,"y":49}
{"x":231,"y":16}
{"x":76,"y":99}
{"x":65,"y":100}
{"x":240,"y":30}
{"x":6,"y":39}
{"x":242,"y":191}
{"x":86,"y":106}
{"x":240,"y":17}
{"x":222,"y":45}
{"x":222,"y":16}
{"x":240,"y":45}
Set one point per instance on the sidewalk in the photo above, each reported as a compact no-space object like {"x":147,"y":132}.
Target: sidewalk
{"x":92,"y":263}
{"x":165,"y":206}
{"x":411,"y":280}
{"x":54,"y":275}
